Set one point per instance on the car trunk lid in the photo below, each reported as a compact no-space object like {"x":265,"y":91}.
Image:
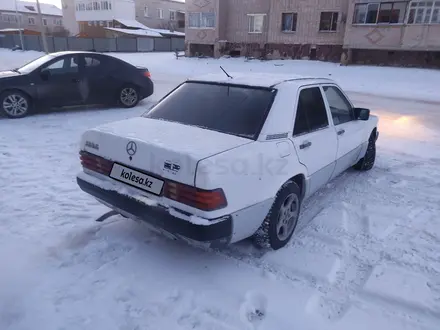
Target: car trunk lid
{"x":157,"y":147}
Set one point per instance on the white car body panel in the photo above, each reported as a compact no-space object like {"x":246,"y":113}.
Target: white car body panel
{"x":249,"y":172}
{"x":158,"y":141}
{"x":320,"y":162}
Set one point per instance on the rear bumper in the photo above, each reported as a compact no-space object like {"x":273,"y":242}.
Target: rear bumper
{"x":147,"y":89}
{"x":219,"y":233}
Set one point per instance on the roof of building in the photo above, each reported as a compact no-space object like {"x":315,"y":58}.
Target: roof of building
{"x":256,"y":79}
{"x":11,"y":30}
{"x":137,"y":25}
{"x":136,"y":32}
{"x":131,"y":23}
{"x":30,"y":7}
{"x":174,"y":33}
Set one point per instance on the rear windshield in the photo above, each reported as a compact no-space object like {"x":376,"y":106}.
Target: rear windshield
{"x":230,"y":109}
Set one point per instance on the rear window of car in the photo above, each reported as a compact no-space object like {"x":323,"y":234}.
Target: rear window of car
{"x":231,"y":109}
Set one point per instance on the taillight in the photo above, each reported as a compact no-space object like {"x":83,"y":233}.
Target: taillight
{"x":147,"y":74}
{"x":206,"y":200}
{"x":95,"y":163}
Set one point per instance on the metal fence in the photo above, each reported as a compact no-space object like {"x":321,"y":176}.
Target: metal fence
{"x":56,"y":44}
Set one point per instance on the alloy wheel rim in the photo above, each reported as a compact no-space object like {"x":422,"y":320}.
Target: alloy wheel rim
{"x":15,"y":105}
{"x":128,"y":96}
{"x":287,"y":217}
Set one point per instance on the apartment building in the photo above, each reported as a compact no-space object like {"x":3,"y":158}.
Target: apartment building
{"x":358,"y":31}
{"x":161,"y":14}
{"x":90,"y":17}
{"x":396,"y":33}
{"x":25,"y":16}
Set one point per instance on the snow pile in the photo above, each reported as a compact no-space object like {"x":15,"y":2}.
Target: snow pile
{"x":407,"y":83}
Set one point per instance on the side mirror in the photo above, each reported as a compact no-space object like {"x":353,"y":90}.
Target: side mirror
{"x":361,"y":113}
{"x":45,"y":74}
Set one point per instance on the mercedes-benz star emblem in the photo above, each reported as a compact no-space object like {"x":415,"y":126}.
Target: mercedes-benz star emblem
{"x":131,"y":148}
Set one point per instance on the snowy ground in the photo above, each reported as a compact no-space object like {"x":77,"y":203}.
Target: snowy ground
{"x":366,"y":254}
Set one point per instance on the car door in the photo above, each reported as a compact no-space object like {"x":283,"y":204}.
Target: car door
{"x":347,"y":128}
{"x":58,"y":82}
{"x":99,"y":80}
{"x":314,"y":138}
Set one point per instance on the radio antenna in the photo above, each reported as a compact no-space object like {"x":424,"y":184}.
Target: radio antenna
{"x":227,"y":74}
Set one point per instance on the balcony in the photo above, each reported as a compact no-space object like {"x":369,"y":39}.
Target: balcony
{"x":103,"y":10}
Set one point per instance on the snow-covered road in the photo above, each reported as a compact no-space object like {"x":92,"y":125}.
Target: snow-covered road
{"x":366,"y":254}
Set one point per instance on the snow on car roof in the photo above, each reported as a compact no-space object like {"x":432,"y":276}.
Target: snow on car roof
{"x":253,"y":79}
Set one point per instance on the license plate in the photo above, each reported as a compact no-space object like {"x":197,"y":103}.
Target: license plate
{"x":136,"y":179}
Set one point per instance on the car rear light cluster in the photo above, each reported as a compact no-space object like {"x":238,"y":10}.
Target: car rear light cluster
{"x":206,"y":200}
{"x":147,"y":74}
{"x":95,"y":163}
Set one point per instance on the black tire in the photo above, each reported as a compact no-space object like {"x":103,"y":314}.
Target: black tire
{"x":15,"y":104}
{"x":367,"y":162}
{"x":124,"y":94}
{"x":268,"y":235}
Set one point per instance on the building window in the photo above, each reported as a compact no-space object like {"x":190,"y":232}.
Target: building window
{"x":380,"y":13}
{"x":96,"y":6}
{"x":89,"y":6}
{"x":207,"y":20}
{"x":160,"y":13}
{"x":328,"y":21}
{"x":194,"y":20}
{"x":146,"y":12}
{"x":256,"y":23}
{"x":424,"y":12}
{"x":201,"y":20}
{"x":11,"y":18}
{"x":44,"y":22}
{"x":288,"y":22}
{"x":172,"y":15}
{"x":31,"y":20}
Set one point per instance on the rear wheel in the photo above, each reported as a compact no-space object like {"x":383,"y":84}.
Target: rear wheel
{"x":367,"y":162}
{"x":128,"y":96}
{"x":281,"y":221}
{"x":15,"y":104}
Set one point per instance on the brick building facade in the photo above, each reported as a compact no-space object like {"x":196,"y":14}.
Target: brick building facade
{"x":351,"y":31}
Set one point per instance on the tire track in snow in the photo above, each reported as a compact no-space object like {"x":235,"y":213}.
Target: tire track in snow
{"x":359,"y":253}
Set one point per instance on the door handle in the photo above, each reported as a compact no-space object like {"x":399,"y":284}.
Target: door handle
{"x":305,"y":145}
{"x":342,"y":131}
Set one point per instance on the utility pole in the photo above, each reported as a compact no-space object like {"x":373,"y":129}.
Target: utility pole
{"x":19,"y":25}
{"x":43,"y":32}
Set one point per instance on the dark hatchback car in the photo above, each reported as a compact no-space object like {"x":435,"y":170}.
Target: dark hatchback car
{"x":71,"y":79}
